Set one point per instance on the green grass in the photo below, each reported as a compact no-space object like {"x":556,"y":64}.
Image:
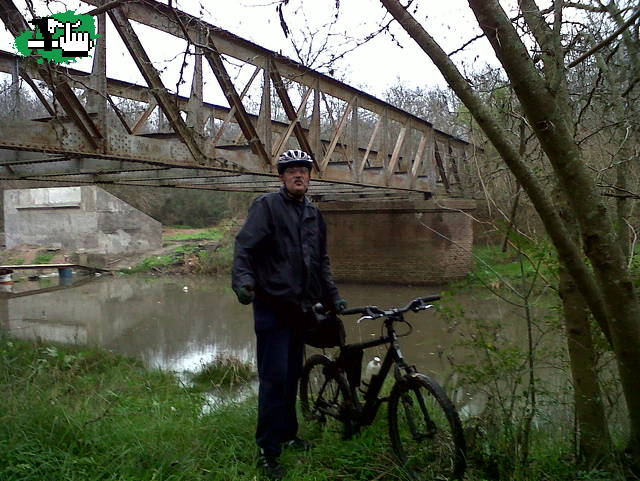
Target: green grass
{"x":209,"y":234}
{"x":201,"y":261}
{"x":153,"y":263}
{"x":44,"y":258}
{"x":78,"y":415}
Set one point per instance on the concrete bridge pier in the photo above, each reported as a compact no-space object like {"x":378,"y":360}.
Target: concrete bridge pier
{"x":399,"y":241}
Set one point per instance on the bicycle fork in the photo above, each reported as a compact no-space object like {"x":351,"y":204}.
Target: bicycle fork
{"x":408,"y":401}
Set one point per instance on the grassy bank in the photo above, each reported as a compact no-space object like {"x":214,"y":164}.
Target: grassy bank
{"x":202,"y":251}
{"x":71,"y":414}
{"x":83,"y":415}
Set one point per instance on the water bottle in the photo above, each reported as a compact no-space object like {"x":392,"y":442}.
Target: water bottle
{"x":373,"y":368}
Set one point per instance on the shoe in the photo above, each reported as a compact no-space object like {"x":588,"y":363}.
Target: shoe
{"x":298,"y":444}
{"x":270,"y":466}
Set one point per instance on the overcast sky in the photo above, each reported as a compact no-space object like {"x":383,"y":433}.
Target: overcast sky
{"x":375,"y":65}
{"x":372,"y":67}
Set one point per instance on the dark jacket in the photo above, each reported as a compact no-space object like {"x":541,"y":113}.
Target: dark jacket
{"x":281,"y":251}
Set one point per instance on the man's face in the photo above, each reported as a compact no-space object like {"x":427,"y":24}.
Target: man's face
{"x":296,"y":181}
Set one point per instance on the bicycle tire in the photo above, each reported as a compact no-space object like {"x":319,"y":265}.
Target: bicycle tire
{"x":324,"y":395}
{"x":425,"y":430}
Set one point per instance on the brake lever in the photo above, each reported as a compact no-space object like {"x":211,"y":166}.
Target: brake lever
{"x":364,"y":318}
{"x":422,"y":307}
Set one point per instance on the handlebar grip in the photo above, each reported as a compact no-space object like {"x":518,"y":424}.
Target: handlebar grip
{"x":433,"y":297}
{"x":353,"y":310}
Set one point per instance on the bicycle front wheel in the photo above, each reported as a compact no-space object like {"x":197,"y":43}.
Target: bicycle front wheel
{"x":324,"y":395}
{"x":425,"y":430}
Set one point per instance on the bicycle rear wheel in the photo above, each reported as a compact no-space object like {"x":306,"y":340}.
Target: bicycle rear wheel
{"x":324,"y":395}
{"x":425,"y":430}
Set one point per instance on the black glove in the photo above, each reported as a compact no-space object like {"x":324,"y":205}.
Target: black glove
{"x":245,"y":295}
{"x":340,"y":305}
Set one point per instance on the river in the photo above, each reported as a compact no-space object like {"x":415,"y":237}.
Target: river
{"x":178,"y":323}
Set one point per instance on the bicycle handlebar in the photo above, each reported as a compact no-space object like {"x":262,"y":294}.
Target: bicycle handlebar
{"x":375,"y":311}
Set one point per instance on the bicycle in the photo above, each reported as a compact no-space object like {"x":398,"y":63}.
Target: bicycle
{"x":424,"y":427}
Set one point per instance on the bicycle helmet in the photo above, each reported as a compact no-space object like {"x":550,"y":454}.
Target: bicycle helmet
{"x":293,"y":158}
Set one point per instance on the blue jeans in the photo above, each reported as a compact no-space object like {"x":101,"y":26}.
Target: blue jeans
{"x":280,"y":356}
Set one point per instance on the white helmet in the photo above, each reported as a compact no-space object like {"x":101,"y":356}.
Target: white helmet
{"x":292,"y":158}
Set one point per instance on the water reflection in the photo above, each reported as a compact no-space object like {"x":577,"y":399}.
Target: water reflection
{"x":151,"y":318}
{"x":180,"y":323}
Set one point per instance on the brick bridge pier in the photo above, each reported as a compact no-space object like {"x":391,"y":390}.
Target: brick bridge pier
{"x":399,"y":241}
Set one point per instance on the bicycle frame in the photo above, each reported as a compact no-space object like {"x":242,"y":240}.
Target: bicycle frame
{"x":366,"y":413}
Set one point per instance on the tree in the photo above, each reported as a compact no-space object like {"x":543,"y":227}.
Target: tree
{"x":606,"y":285}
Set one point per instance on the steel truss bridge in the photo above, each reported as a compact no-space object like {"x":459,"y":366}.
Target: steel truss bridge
{"x":362,"y":146}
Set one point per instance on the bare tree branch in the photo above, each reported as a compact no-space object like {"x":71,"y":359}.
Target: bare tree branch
{"x":606,"y":41}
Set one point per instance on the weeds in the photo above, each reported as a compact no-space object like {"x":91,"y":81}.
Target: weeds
{"x":154,"y":263}
{"x":207,"y":259}
{"x":525,"y":428}
{"x":224,"y":371}
{"x":44,"y":258}
{"x":220,"y":260}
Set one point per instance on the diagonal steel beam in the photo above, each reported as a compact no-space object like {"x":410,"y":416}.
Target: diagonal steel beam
{"x":334,"y":141}
{"x":219,"y":70}
{"x":280,"y":146}
{"x":37,"y":91}
{"x":365,"y":159}
{"x":152,"y":77}
{"x":418,"y":159}
{"x":290,"y":110}
{"x":454,"y":166}
{"x":441,"y":168}
{"x":393,"y":162}
{"x":232,"y":112}
{"x":144,"y":117}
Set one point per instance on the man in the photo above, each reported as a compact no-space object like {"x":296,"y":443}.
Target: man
{"x":281,"y":265}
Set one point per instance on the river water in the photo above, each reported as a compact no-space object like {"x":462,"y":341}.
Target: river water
{"x":178,"y":323}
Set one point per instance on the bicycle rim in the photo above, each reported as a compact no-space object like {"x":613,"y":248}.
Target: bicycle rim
{"x":425,"y":431}
{"x":324,"y":395}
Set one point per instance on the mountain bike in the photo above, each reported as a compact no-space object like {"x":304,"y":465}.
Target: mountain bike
{"x":424,"y":427}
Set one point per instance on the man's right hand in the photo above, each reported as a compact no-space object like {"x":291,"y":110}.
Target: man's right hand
{"x":245,"y":295}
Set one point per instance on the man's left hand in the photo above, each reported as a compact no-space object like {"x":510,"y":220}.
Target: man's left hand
{"x":340,"y":305}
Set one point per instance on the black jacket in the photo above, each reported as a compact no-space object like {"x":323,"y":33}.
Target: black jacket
{"x":281,"y":251}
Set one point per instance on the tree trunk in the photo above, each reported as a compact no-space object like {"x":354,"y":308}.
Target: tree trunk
{"x":595,"y":441}
{"x":594,"y":438}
